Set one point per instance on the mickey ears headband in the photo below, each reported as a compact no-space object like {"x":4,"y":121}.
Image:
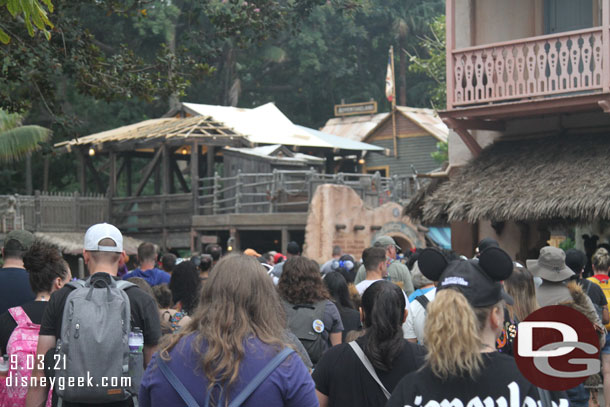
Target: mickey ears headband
{"x":495,"y":262}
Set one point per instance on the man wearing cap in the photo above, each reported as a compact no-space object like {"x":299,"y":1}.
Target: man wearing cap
{"x":15,"y":287}
{"x":552,"y":269}
{"x":398,"y":273}
{"x":102,"y":250}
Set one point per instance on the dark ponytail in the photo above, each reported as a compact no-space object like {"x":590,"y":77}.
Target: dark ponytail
{"x":383,"y":304}
{"x":44,"y":264}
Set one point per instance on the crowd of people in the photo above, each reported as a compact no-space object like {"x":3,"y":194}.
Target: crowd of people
{"x":361,"y":329}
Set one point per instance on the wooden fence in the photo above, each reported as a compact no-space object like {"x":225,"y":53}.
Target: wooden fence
{"x":52,"y":212}
{"x":292,"y":191}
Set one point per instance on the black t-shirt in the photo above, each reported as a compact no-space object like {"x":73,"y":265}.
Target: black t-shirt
{"x":594,"y":292}
{"x":499,"y":382}
{"x":342,"y":377}
{"x":351,"y":320}
{"x":33,"y":309}
{"x":144,"y":314}
{"x":15,"y":288}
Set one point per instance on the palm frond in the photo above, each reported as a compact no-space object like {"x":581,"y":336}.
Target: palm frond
{"x":15,"y":143}
{"x":9,"y":120}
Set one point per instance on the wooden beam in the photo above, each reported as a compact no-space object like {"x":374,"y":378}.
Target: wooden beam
{"x":465,"y":135}
{"x":181,"y":180}
{"x":82,"y":171}
{"x":605,"y":48}
{"x":480,"y":124}
{"x":147,"y":172}
{"x":165,"y":170}
{"x":195,"y":176}
{"x":450,"y":46}
{"x":210,"y":161}
{"x":112,"y":175}
{"x":129,"y":177}
{"x":96,"y":176}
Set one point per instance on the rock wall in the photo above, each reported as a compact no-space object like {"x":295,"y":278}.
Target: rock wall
{"x":338,"y":216}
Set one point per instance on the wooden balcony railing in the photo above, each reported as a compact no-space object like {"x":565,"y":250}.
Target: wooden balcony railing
{"x":550,"y":65}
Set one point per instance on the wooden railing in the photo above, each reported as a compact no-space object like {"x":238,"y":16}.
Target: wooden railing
{"x":556,"y":64}
{"x":292,"y":191}
{"x":138,"y":213}
{"x":52,"y":212}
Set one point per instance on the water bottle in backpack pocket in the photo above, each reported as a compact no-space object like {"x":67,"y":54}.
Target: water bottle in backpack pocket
{"x":95,"y":343}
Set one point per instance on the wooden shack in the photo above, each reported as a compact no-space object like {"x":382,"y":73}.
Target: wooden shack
{"x":418,"y":131}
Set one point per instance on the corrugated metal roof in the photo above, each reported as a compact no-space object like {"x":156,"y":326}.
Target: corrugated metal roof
{"x":360,"y":127}
{"x":342,"y":142}
{"x":353,"y":127}
{"x":428,"y":119}
{"x":267,"y":152}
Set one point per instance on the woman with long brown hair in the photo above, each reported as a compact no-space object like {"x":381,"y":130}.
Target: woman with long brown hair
{"x":235,"y":333}
{"x":312,"y":317}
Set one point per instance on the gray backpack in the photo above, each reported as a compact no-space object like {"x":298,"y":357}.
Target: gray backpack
{"x":301,"y":319}
{"x":94,"y":344}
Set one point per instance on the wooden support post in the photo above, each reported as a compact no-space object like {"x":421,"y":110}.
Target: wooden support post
{"x":285,"y":238}
{"x":37,"y":212}
{"x":148,"y":171}
{"x":76,"y":210}
{"x":215,"y":197}
{"x":129,"y":175}
{"x":465,"y":135}
{"x":238,"y":184}
{"x":82,"y":171}
{"x":464,"y":238}
{"x":175,"y":170}
{"x":165,"y":174}
{"x":606,"y":45}
{"x":111,"y":182}
{"x":450,"y":46}
{"x":96,"y":176}
{"x":210,"y":161}
{"x":157,"y":179}
{"x":195,"y":176}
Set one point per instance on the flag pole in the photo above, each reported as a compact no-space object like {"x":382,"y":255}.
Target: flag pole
{"x":393,"y":104}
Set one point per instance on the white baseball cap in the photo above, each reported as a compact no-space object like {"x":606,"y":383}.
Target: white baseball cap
{"x":99,"y":232}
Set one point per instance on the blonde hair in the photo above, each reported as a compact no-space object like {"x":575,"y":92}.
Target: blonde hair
{"x":601,"y":260}
{"x":452,"y":335}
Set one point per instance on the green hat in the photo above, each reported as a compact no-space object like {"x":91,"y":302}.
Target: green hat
{"x":22,"y":237}
{"x":384,"y":241}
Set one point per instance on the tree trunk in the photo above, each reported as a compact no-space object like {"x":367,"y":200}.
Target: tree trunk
{"x":29,"y":189}
{"x":174,"y":100}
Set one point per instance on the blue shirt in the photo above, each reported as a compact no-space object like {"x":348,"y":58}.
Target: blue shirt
{"x":15,"y":288}
{"x":153,"y":276}
{"x":288,"y":385}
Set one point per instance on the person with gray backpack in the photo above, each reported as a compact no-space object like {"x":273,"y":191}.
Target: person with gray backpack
{"x":98,"y":335}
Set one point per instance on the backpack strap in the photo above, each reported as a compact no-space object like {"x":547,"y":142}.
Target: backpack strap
{"x":20,"y":317}
{"x":423,"y":300}
{"x":190,"y":401}
{"x":77,"y":283}
{"x":171,"y":377}
{"x":260,"y":377}
{"x":369,"y":367}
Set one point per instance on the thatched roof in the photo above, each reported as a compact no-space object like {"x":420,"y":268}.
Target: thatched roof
{"x":563,"y":178}
{"x":415,"y":208}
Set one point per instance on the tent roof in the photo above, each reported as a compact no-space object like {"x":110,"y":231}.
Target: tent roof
{"x":266,"y":124}
{"x":287,"y":156}
{"x":556,"y":178}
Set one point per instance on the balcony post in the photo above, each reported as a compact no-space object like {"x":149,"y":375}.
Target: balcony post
{"x":450,"y":45}
{"x":606,"y":45}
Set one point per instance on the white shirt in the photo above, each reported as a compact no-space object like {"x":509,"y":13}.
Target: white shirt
{"x":364,"y":284}
{"x":413,"y":328}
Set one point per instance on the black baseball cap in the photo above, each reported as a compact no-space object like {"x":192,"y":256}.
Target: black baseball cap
{"x":477,"y":279}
